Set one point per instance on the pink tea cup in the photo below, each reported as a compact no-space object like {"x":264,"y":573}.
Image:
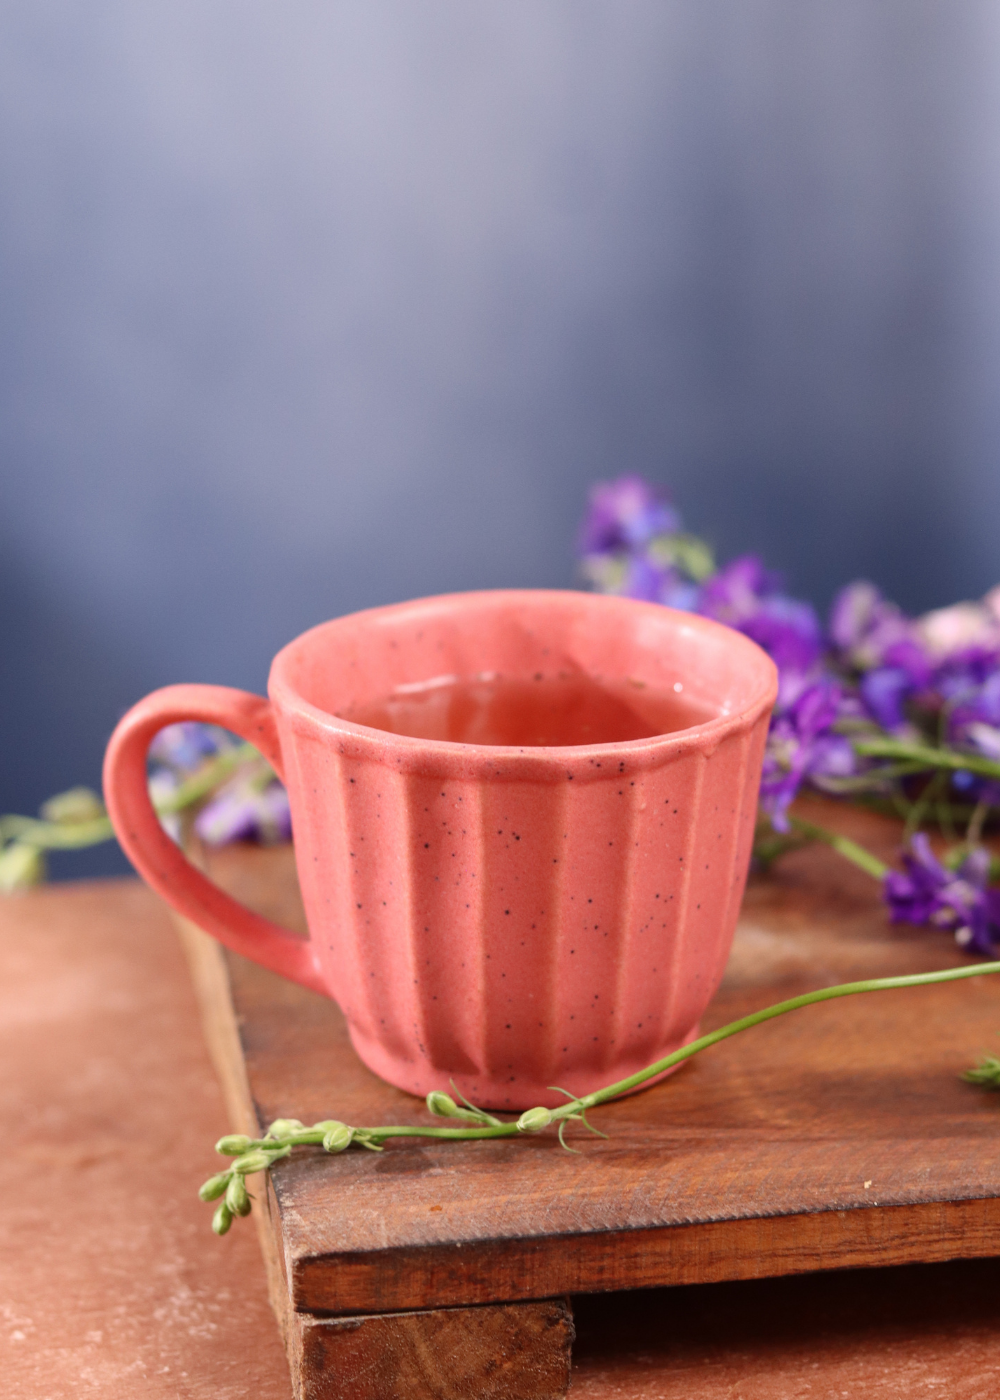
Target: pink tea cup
{"x":507,"y":916}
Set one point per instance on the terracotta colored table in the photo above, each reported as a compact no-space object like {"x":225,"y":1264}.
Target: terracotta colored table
{"x":112,"y":1285}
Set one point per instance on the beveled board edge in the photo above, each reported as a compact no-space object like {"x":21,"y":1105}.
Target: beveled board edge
{"x":709,"y":1252}
{"x":210,"y":975}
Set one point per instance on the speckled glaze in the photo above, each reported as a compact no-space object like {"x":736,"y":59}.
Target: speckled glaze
{"x":505,"y":918}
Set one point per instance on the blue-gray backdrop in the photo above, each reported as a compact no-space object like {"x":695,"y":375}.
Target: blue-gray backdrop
{"x":312,"y":307}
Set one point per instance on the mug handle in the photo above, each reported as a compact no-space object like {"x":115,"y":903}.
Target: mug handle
{"x":159,"y":860}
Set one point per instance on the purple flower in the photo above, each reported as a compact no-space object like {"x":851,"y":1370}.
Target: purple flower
{"x":801,"y":746}
{"x":748,"y":597}
{"x":927,"y":892}
{"x":243,"y":811}
{"x":869,"y":632}
{"x":251,"y":806}
{"x":184,"y":747}
{"x":625,"y":514}
{"x":870,"y":635}
{"x":654,"y":582}
{"x":884,"y":691}
{"x":873,"y":636}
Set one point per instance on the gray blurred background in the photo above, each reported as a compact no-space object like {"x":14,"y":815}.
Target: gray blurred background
{"x":309,"y":308}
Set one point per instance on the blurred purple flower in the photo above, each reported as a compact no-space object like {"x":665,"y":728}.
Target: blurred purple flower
{"x":870,"y":635}
{"x":884,"y":691}
{"x":252,"y":805}
{"x":972,"y":710}
{"x":867,"y":633}
{"x":748,"y":597}
{"x":184,"y":747}
{"x":974,"y":713}
{"x":625,"y":514}
{"x":927,"y":892}
{"x":242,"y":811}
{"x":801,"y":746}
{"x":654,"y":582}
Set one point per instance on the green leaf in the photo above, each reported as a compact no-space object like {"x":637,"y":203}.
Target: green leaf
{"x":21,"y":866}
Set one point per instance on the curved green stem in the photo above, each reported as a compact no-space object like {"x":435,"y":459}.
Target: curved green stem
{"x":70,"y":835}
{"x":926,"y":756}
{"x":55,"y":836}
{"x":537,"y":1119}
{"x":844,"y":846}
{"x":756,"y":1018}
{"x":193,"y":789}
{"x":386,"y":1131}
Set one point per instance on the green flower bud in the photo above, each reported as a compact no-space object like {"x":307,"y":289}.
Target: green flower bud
{"x":338,"y":1137}
{"x":443,"y":1105}
{"x":21,"y":866}
{"x":250,"y":1162}
{"x":213,"y":1188}
{"x":222,"y":1219}
{"x":233,"y":1145}
{"x":79,"y":804}
{"x":284,"y":1127}
{"x":237,"y":1198}
{"x":533,"y":1120}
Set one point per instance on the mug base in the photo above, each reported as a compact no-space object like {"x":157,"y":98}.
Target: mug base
{"x":514,"y":1093}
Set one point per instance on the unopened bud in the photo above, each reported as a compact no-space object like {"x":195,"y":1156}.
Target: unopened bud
{"x":222,"y":1219}
{"x":533,"y":1120}
{"x":79,"y":804}
{"x":237,"y":1198}
{"x":21,"y":866}
{"x":338,"y":1137}
{"x":213,"y":1188}
{"x":250,"y":1162}
{"x":233,"y":1145}
{"x":443,"y":1105}
{"x":284,"y":1127}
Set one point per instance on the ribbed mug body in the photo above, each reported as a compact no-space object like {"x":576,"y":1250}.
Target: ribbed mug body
{"x":512,"y":919}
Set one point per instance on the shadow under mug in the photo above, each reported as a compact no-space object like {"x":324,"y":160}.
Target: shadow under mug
{"x":506,"y":917}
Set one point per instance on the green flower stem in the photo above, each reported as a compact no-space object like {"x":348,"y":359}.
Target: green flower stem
{"x":55,"y":836}
{"x":271,"y":1148}
{"x":756,"y":1018}
{"x":844,"y":846}
{"x":926,"y":756}
{"x":382,"y":1134}
{"x":193,"y":789}
{"x":70,"y":835}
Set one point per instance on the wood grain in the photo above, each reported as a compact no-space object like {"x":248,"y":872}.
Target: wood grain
{"x":111,"y":1284}
{"x":520,"y":1351}
{"x":838,"y":1137}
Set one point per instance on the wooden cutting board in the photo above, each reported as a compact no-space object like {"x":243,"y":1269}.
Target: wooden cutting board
{"x":839,"y":1136}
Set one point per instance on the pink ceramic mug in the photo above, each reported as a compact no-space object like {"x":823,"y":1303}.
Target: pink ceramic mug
{"x":505,"y":915}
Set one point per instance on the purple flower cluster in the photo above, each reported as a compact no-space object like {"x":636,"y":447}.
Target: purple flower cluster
{"x":749,"y":597}
{"x":927,"y":892}
{"x":631,"y":543}
{"x":802,"y":745}
{"x":625,"y":515}
{"x":872,"y":672}
{"x":873,"y":667}
{"x":250,"y":805}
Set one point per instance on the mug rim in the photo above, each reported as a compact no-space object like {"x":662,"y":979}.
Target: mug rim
{"x":762,"y":682}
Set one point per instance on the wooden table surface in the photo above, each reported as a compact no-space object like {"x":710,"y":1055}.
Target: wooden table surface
{"x":112,"y":1285}
{"x":840,"y":1135}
